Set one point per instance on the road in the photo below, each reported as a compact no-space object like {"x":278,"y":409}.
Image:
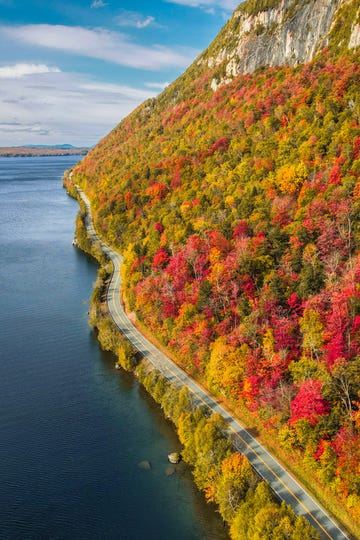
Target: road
{"x":282,"y":482}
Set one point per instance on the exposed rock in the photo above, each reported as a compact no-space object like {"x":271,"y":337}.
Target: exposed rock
{"x":174,"y":457}
{"x":289,"y":33}
{"x":355,"y":37}
{"x":215,"y":84}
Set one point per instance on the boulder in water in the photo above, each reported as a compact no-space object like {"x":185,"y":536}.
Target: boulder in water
{"x":174,"y":458}
{"x":145,"y":465}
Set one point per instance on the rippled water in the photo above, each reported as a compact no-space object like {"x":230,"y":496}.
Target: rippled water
{"x":72,"y":429}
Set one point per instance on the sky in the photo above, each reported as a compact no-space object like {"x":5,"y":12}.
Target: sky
{"x":70,"y":71}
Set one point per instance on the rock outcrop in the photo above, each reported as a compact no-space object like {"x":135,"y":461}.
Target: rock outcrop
{"x":287,"y":32}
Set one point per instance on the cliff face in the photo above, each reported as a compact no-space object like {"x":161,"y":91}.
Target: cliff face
{"x":355,"y":36}
{"x":286,"y":33}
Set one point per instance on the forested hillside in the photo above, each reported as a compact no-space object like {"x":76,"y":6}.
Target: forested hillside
{"x":238,"y":215}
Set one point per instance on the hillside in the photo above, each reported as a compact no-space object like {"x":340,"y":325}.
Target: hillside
{"x":235,"y":199}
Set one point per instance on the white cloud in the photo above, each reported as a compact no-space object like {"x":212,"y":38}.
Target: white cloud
{"x":45,"y":108}
{"x":98,"y":4}
{"x":21,"y":70}
{"x":115,"y":89}
{"x":99,"y":43}
{"x":134,"y":19}
{"x":208,"y":5}
{"x":145,"y":22}
{"x":17,"y":128}
{"x":157,"y":86}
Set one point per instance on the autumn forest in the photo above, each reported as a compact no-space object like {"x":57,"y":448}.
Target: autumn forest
{"x":238,"y":215}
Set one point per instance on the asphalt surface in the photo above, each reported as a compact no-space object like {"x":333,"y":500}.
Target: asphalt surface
{"x":282,"y":482}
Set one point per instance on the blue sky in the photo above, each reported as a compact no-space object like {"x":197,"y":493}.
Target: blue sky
{"x":70,"y":71}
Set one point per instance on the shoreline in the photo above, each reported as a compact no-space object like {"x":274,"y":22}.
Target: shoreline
{"x":242,"y":441}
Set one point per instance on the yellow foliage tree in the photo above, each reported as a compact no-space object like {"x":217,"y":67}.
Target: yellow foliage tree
{"x":226,"y":367}
{"x":290,"y":177}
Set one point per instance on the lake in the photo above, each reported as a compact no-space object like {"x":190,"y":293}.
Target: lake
{"x":73,"y":429}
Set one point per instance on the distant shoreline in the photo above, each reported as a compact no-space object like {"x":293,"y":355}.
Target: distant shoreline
{"x":26,"y":151}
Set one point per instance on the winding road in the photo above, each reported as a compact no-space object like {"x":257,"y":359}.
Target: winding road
{"x":281,"y":481}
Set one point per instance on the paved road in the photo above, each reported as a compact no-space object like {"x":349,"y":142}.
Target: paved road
{"x":282,"y":483}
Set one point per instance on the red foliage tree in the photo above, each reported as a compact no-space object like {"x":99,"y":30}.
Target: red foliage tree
{"x":309,"y":403}
{"x":160,"y":258}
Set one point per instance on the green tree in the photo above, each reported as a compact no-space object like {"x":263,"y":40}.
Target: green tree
{"x":236,"y":478}
{"x":126,"y":355}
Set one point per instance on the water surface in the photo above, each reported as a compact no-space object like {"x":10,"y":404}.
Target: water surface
{"x":73,"y":429}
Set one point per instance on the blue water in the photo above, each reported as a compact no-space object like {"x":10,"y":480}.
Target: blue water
{"x":72,"y":429}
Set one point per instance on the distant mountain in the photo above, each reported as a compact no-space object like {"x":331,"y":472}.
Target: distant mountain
{"x":49,"y":146}
{"x":235,"y":199}
{"x":42,"y":150}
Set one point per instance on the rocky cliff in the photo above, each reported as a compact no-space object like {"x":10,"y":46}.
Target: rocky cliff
{"x":278,"y":32}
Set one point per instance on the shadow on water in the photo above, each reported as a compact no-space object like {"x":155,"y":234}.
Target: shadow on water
{"x":207,"y":514}
{"x":163,"y":441}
